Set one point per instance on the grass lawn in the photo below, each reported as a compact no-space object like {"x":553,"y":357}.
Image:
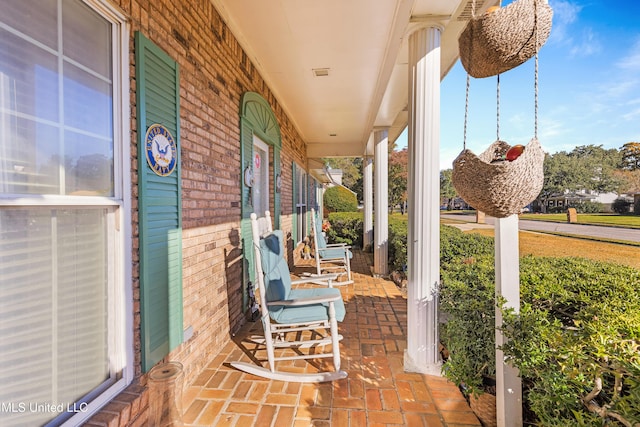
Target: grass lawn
{"x":540,"y":244}
{"x":630,"y":221}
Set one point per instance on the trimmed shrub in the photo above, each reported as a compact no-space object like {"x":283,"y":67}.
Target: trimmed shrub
{"x":621,"y":205}
{"x":455,"y":244}
{"x":469,"y":310}
{"x":340,"y":199}
{"x":397,"y":243}
{"x":578,"y":332}
{"x":346,"y":227}
{"x":467,"y":303}
{"x":582,"y":207}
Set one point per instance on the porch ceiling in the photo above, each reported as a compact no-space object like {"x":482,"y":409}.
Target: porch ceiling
{"x":362,"y":45}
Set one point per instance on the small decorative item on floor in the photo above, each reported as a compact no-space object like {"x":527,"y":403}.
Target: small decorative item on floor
{"x":165,"y":395}
{"x":504,"y":37}
{"x":306,"y":252}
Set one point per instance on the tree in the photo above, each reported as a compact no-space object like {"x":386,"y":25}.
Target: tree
{"x":595,"y":168}
{"x":586,"y":167}
{"x":448,"y":192}
{"x":631,"y":155}
{"x":558,"y":176}
{"x":351,"y":172}
{"x":398,"y":175}
{"x":630,"y":180}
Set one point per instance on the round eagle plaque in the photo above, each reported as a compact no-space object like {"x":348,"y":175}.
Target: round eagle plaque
{"x":161,"y":150}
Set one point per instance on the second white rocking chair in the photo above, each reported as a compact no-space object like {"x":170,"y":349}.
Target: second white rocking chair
{"x":330,"y":257}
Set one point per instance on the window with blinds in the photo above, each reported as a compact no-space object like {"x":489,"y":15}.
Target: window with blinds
{"x":61,"y":343}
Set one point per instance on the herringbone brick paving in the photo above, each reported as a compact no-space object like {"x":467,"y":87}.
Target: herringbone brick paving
{"x":377,"y":391}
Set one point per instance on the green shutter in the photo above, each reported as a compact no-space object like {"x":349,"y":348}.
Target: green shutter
{"x":276,"y":202}
{"x":246,"y":156}
{"x":159,"y":205}
{"x":256,"y":118}
{"x":294,"y":216}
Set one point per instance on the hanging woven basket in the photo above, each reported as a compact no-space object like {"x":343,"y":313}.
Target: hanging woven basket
{"x":500,"y":188}
{"x":501,"y":40}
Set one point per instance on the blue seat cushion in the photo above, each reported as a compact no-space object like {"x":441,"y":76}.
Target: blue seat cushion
{"x":308,"y":313}
{"x":277,"y":279}
{"x":322,"y":242}
{"x":334,"y":253}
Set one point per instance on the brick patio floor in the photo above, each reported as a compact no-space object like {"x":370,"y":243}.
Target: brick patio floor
{"x":377,"y":391}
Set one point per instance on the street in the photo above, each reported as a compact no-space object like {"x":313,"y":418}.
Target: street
{"x":617,"y":233}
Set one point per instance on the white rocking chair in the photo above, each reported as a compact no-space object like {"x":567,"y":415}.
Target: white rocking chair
{"x":330,"y":257}
{"x":311,"y":313}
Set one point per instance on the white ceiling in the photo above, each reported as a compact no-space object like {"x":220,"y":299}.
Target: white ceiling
{"x":362,"y":43}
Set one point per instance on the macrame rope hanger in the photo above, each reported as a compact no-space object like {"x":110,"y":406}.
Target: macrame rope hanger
{"x":489,"y":181}
{"x":535,"y":84}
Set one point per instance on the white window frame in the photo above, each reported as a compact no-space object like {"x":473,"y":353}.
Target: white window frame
{"x":120,"y":296}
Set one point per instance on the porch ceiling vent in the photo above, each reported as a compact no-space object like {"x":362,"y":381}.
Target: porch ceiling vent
{"x":465,"y":15}
{"x":321,"y":72}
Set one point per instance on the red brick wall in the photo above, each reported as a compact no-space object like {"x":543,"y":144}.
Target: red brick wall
{"x":214,"y":73}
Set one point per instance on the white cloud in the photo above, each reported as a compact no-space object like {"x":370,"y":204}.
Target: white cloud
{"x":631,"y":61}
{"x":618,"y":86}
{"x":587,"y":45}
{"x":632,"y":115}
{"x":625,"y":80}
{"x":565,"y":13}
{"x":563,"y":32}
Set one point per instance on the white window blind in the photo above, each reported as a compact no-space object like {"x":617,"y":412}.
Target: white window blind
{"x":53,"y":309}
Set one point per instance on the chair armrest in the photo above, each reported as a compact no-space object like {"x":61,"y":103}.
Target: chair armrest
{"x":306,"y":301}
{"x":315,"y":278}
{"x":338,"y":246}
{"x":341,"y":249}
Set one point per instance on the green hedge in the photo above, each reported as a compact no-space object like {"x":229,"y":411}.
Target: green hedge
{"x":346,"y":227}
{"x":579,"y":325}
{"x":582,"y":207}
{"x":467,"y":305}
{"x":340,"y":199}
{"x":397,"y":243}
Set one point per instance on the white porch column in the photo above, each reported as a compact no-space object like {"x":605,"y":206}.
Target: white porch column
{"x":367,"y":183}
{"x":423,"y":240}
{"x":381,"y":212}
{"x":508,"y":383}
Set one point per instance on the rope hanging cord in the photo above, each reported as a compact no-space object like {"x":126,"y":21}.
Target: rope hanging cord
{"x":497,"y":187}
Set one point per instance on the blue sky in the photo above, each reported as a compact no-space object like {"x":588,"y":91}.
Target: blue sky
{"x":589,"y":86}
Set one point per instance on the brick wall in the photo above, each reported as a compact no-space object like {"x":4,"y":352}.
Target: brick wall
{"x":214,"y":73}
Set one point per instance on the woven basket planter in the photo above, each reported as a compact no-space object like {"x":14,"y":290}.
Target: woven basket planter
{"x":499,"y":41}
{"x":484,"y":406}
{"x":502,"y":188}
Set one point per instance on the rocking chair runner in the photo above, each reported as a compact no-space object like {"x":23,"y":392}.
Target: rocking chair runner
{"x":330,"y":257}
{"x":311,"y":313}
